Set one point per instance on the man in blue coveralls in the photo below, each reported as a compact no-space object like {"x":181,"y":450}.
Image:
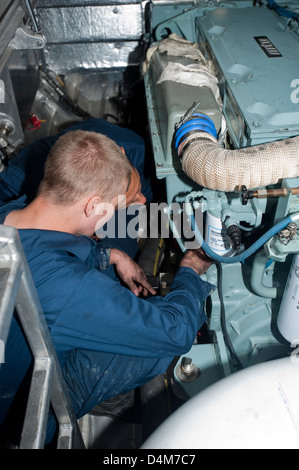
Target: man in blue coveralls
{"x":108,"y":339}
{"x":24,"y":172}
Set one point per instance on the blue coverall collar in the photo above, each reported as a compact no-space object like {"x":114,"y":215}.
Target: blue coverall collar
{"x":78,"y":245}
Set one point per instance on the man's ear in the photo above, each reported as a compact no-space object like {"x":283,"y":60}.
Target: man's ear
{"x":91,"y":205}
{"x":102,"y":211}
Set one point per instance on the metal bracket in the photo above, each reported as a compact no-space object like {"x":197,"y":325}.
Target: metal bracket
{"x":187,"y":114}
{"x":25,"y":38}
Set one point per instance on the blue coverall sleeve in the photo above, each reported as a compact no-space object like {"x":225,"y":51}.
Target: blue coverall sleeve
{"x":104,"y":316}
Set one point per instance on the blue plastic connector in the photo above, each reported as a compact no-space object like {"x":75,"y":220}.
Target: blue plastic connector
{"x":197,"y":122}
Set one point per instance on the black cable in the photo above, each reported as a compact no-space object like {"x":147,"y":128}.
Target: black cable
{"x":226,"y":337}
{"x":68,"y":103}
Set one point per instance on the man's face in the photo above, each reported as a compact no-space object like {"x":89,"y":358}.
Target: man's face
{"x":105,"y":211}
{"x":133,"y":194}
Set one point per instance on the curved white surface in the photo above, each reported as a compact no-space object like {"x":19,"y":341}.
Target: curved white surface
{"x":256,"y":408}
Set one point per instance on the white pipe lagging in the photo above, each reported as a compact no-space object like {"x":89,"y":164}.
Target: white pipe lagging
{"x":210,"y":165}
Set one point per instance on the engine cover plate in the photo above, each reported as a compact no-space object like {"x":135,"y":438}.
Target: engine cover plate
{"x":256,"y":54}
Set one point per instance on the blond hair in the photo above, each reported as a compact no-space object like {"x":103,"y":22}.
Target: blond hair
{"x":83,"y":163}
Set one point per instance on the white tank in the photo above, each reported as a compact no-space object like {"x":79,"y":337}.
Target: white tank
{"x":256,"y":408}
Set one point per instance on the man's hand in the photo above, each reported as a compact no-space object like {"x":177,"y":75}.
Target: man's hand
{"x":130,"y":273}
{"x":197,"y":260}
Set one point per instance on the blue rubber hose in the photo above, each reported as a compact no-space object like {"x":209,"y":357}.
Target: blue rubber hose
{"x":283,"y":11}
{"x":197,"y":122}
{"x":252,"y":249}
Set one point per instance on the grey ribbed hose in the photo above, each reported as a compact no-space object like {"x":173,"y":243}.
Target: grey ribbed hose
{"x":214,"y":167}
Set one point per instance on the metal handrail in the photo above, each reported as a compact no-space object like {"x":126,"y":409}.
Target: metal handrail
{"x":18,"y":293}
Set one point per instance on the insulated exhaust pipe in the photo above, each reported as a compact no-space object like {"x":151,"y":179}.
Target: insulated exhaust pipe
{"x":210,"y":165}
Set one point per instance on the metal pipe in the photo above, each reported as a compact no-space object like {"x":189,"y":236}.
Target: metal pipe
{"x":210,"y":165}
{"x":257,"y":273}
{"x":32,"y":16}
